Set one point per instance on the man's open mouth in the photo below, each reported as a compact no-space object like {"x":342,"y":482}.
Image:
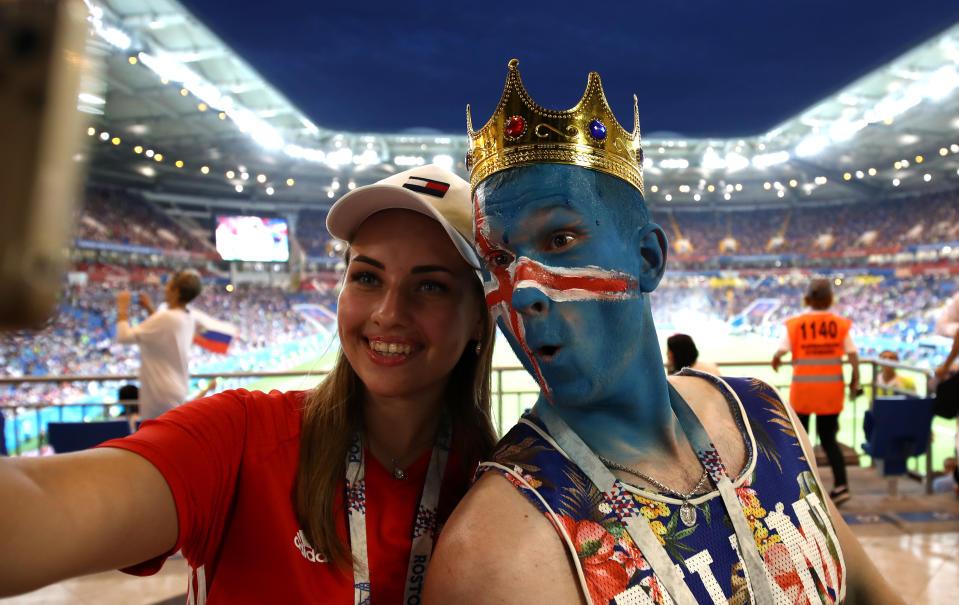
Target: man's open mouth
{"x":547,"y":352}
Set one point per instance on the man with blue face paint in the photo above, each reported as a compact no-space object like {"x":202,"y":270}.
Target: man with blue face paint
{"x":621,"y":486}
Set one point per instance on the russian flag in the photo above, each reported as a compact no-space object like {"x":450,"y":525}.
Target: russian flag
{"x":212,"y":334}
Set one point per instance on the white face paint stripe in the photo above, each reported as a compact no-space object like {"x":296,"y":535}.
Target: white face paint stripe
{"x":573,"y":294}
{"x":587,"y":271}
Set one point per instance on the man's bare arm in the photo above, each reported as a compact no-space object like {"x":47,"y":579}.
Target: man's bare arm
{"x":498,"y":548}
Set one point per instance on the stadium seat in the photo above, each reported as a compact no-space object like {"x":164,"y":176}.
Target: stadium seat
{"x":75,"y":436}
{"x":896,"y":429}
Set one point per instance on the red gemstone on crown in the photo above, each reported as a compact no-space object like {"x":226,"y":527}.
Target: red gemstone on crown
{"x":514,"y":126}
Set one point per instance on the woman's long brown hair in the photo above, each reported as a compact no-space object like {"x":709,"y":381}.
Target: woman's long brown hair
{"x":333,"y":412}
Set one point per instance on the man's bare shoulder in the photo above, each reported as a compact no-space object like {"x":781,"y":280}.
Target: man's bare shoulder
{"x":499,"y":548}
{"x":493,"y":506}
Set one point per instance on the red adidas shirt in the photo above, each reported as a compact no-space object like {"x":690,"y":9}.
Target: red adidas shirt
{"x":230,"y":461}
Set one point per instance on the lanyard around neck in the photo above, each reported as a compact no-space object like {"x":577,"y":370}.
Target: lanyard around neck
{"x":638,"y":526}
{"x":424,"y":526}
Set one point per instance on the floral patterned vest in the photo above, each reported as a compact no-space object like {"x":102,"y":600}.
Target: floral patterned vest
{"x":782,"y":501}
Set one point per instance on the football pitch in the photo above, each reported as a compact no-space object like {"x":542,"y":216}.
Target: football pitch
{"x":514,"y":390}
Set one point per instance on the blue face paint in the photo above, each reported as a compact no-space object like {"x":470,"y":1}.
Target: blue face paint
{"x":566,"y":278}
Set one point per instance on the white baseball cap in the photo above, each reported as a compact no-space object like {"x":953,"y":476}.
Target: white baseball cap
{"x":430,"y":190}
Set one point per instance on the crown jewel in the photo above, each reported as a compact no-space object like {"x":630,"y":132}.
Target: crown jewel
{"x":522,"y":133}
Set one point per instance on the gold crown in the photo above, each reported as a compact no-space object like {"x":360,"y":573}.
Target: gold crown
{"x":521,"y":133}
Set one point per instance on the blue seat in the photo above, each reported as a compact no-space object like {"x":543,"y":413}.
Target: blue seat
{"x":896,"y":429}
{"x":75,"y":436}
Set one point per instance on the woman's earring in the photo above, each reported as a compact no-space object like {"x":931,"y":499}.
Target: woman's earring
{"x":479,"y":348}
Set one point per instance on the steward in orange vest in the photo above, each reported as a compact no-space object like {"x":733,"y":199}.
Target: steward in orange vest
{"x":818,"y":340}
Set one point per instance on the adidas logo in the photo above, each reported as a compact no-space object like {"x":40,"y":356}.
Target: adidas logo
{"x":303,"y":545}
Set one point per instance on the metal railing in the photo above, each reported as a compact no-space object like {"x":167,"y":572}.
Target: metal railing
{"x":513,"y":391}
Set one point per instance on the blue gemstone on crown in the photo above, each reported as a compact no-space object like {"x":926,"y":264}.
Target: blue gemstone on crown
{"x":597,"y":130}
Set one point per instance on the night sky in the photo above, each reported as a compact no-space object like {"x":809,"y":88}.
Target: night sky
{"x":699,"y":68}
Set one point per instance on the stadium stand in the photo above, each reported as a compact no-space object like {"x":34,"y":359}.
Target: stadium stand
{"x":887,"y":311}
{"x":886,"y":303}
{"x":125,"y":218}
{"x":861,"y":227}
{"x":80,"y":338}
{"x":312,"y":234}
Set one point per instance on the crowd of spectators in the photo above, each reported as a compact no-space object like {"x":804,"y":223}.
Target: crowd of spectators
{"x":311,"y":233}
{"x":80,"y":338}
{"x":918,"y":219}
{"x":118,"y":216}
{"x":890,"y":309}
{"x":121,"y":217}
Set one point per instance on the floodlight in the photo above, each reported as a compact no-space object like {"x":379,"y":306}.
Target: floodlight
{"x":765,"y":160}
{"x":340,"y":157}
{"x":941,"y":83}
{"x":712,"y":161}
{"x":443,"y":161}
{"x":842,"y":130}
{"x":811,"y":145}
{"x":735,"y":161}
{"x":369,"y":157}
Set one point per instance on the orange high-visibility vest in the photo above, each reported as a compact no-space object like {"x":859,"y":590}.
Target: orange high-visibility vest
{"x":817,"y":341}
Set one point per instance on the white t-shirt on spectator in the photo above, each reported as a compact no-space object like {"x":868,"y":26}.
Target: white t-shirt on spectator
{"x":164,"y":339}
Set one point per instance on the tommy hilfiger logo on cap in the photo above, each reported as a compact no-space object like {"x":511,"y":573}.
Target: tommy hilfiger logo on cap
{"x":427,"y":186}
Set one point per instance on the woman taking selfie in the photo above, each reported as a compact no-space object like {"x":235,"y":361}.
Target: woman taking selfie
{"x":333,"y":495}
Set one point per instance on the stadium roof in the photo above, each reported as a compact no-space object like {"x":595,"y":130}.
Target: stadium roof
{"x":170,"y":87}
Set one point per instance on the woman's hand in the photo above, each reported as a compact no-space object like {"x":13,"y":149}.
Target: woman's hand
{"x":146,"y":303}
{"x":123,"y":305}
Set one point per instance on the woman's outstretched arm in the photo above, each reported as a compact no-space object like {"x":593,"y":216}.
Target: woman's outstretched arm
{"x":72,"y":514}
